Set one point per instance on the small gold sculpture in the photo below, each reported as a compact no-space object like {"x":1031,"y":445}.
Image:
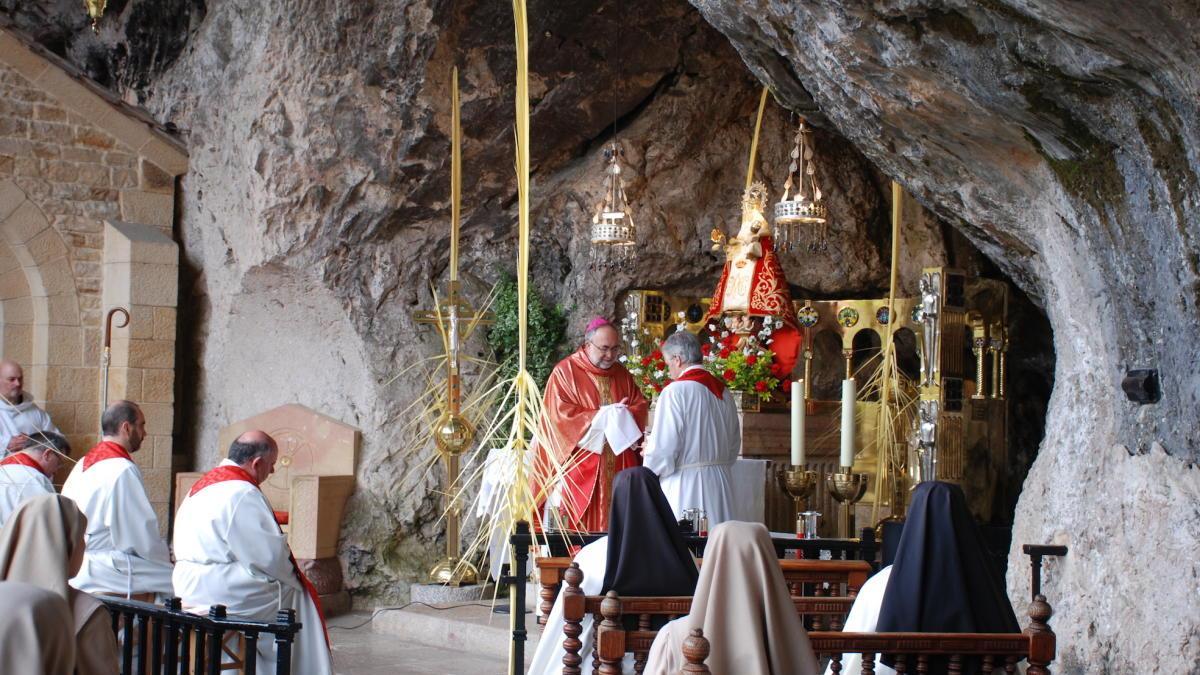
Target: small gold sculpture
{"x":95,"y":10}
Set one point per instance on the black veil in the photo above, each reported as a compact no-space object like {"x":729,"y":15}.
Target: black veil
{"x":646,"y":553}
{"x":943,"y":580}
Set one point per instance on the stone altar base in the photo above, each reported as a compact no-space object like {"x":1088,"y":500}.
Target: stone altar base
{"x":438,"y":594}
{"x":471,"y":629}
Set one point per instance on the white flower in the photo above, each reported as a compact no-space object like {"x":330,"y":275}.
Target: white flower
{"x":635,"y":371}
{"x":760,"y":353}
{"x":778,"y":323}
{"x":634,"y":344}
{"x":724,"y":333}
{"x":770,"y":341}
{"x":633,"y":316}
{"x":659,"y":374}
{"x":645,"y":331}
{"x":623,"y":358}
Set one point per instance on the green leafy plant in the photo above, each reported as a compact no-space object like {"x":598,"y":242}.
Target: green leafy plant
{"x":547,"y":332}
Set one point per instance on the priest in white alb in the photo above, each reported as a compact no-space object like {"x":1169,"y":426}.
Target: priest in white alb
{"x":125,"y":554}
{"x":230,"y":551}
{"x":696,"y":436}
{"x":19,"y":415}
{"x":27,"y":472}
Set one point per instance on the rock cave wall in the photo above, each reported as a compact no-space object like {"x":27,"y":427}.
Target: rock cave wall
{"x":1062,"y":139}
{"x":315,"y":211}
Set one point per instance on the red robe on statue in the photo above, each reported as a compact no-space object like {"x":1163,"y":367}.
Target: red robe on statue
{"x":574,"y":393}
{"x":759,"y":288}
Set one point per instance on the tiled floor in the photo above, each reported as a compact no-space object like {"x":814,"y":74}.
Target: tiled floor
{"x":361,"y":651}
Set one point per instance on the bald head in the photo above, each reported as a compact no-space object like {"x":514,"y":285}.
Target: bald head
{"x":12,"y":381}
{"x":256,"y":452}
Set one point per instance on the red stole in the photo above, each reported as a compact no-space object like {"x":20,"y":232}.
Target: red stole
{"x":227,"y":472}
{"x":22,"y":459}
{"x":705,"y":378}
{"x":105,"y":450}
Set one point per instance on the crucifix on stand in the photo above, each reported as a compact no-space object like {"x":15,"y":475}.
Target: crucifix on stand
{"x":455,"y":320}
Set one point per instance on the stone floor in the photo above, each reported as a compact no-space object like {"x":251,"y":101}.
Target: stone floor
{"x":360,"y":647}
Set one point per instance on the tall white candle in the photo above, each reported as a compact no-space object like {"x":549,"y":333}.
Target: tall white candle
{"x":849,"y":393}
{"x":798,"y":423}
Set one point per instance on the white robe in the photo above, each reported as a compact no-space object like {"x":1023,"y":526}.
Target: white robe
{"x":229,"y":551}
{"x":18,"y":483}
{"x":24,"y":418}
{"x":863,"y":618}
{"x":547,"y":660}
{"x":124,"y":555}
{"x":693,"y":444}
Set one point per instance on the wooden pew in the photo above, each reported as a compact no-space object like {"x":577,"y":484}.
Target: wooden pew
{"x":804,"y":577}
{"x":817,"y":611}
{"x":999,"y":652}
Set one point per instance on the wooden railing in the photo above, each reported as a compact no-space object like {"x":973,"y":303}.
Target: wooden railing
{"x":911,"y":652}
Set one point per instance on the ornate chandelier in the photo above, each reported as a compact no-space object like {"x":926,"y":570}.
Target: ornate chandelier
{"x":614,"y":234}
{"x":803,"y":207}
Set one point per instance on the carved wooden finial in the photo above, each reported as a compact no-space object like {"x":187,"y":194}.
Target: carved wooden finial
{"x":610,"y":608}
{"x":1040,"y":612}
{"x":695,"y":651}
{"x":573,"y":576}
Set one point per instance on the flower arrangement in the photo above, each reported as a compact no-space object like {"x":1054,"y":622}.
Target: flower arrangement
{"x":742,"y":362}
{"x":643,"y":358}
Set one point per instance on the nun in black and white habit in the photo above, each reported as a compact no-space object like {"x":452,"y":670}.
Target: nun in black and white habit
{"x":643,"y":554}
{"x":941,"y":581}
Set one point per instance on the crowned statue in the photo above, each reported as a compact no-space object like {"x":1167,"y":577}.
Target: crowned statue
{"x":753,"y":288}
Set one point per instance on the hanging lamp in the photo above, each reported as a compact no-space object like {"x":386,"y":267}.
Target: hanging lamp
{"x":614,"y":234}
{"x":804,"y":206}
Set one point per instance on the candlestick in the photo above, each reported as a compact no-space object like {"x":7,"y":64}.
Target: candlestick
{"x":798,"y":423}
{"x":846,"y":488}
{"x":849,"y":394}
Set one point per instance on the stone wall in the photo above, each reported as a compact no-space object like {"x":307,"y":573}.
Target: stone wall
{"x":86,"y":217}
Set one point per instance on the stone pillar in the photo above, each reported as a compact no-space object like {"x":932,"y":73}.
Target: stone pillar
{"x":141,"y":274}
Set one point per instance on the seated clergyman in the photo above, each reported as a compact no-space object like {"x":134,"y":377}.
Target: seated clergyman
{"x":125,"y":554}
{"x":27,"y":472}
{"x":230,"y":551}
{"x":19,"y":415}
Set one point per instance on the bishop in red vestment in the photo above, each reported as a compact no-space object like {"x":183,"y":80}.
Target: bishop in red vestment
{"x":578,"y":387}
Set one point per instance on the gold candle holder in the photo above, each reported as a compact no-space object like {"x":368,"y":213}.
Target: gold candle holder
{"x":846,"y":488}
{"x":800,"y":484}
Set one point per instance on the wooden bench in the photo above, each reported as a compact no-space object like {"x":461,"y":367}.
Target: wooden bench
{"x":913,"y":652}
{"x":816,"y":611}
{"x":804,"y":577}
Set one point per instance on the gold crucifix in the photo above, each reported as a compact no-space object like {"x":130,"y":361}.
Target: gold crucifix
{"x":455,"y":320}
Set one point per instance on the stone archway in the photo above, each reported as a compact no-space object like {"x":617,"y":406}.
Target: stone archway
{"x":40,"y":319}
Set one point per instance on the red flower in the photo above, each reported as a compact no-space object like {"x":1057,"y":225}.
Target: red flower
{"x":760,"y":386}
{"x":645,"y":360}
{"x":705,"y":349}
{"x":787,"y":385}
{"x":751,"y":360}
{"x":661,"y":365}
{"x":728,"y":374}
{"x":725,"y":352}
{"x":656,"y":354}
{"x":658,"y":387}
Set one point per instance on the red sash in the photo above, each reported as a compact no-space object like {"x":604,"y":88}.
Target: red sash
{"x":22,"y":459}
{"x":705,"y":378}
{"x":104,"y":450}
{"x":227,"y":472}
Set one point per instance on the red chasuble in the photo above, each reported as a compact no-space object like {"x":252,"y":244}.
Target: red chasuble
{"x":574,"y":393}
{"x":227,"y":472}
{"x":705,"y":378}
{"x":105,"y":450}
{"x":22,"y":459}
